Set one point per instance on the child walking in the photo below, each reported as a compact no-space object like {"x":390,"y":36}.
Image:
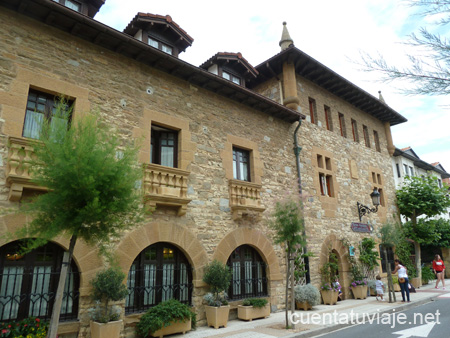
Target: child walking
{"x":380,"y":288}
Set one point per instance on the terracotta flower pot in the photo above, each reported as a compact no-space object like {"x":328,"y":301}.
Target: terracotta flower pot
{"x":217,"y":316}
{"x":329,"y":297}
{"x":359,"y":291}
{"x":250,"y":312}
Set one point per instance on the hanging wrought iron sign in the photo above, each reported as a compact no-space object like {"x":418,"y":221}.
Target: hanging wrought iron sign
{"x":361,"y":227}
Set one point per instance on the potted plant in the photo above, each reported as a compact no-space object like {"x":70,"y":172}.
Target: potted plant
{"x":107,"y":286}
{"x":427,"y":275}
{"x":371,"y":284}
{"x":329,"y":289}
{"x":166,"y":318}
{"x":396,"y":284}
{"x":306,"y":296}
{"x":254,"y":308}
{"x":359,"y":289}
{"x":218,"y":276}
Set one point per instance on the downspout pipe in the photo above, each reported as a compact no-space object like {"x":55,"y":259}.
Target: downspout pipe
{"x":297,"y":150}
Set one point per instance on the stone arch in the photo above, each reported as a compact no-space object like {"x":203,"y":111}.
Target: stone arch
{"x":333,"y":244}
{"x":140,"y":238}
{"x":257,"y":240}
{"x":85,"y":257}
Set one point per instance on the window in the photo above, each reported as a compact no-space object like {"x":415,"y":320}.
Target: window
{"x":328,"y":120}
{"x":389,"y":258}
{"x":342,"y":125}
{"x":366,"y":136}
{"x":241,"y":164}
{"x":231,"y":77}
{"x":164,"y":146}
{"x":159,"y":45}
{"x":377,"y":141}
{"x":411,"y":171}
{"x":249,"y":273}
{"x":355,"y":131}
{"x":377,"y":182}
{"x":160,"y":272}
{"x":398,"y":170}
{"x":28,"y":283}
{"x":439,"y":181}
{"x":405,"y":169}
{"x":75,"y":5}
{"x":40,"y":106}
{"x":312,"y":110}
{"x":325,"y":176}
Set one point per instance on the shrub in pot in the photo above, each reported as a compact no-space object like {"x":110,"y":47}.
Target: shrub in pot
{"x":166,"y":318}
{"x":252,"y":308}
{"x":427,"y":275}
{"x":371,"y":284}
{"x":218,"y":276}
{"x":107,"y":286}
{"x":306,"y":296}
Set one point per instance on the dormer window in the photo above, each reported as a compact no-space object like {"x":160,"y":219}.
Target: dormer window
{"x":230,"y":77}
{"x":161,"y":46}
{"x":75,"y":5}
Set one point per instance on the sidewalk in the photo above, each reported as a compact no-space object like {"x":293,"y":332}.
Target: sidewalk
{"x":323,"y":314}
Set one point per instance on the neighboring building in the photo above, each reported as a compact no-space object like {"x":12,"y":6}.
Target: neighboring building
{"x":406,"y":162}
{"x":217,"y":152}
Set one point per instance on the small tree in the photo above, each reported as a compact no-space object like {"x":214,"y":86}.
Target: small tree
{"x":421,"y":197}
{"x":368,"y":256}
{"x":390,"y":236}
{"x":218,"y":276}
{"x":288,"y":224}
{"x":91,"y":179}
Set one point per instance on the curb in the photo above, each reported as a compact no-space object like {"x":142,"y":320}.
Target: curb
{"x":335,"y":327}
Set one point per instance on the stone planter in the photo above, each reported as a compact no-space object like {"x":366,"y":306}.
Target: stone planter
{"x":329,"y":297}
{"x":106,"y":330}
{"x":359,"y":291}
{"x":249,"y":312}
{"x":416,"y":282}
{"x":217,"y":316}
{"x":303,"y":306}
{"x":169,"y":191}
{"x":174,"y":327}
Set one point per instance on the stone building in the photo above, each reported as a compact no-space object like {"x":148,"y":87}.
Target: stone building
{"x":217,"y":153}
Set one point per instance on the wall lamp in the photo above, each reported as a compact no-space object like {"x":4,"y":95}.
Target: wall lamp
{"x":364,"y":209}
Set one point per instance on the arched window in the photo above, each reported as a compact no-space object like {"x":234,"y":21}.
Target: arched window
{"x":160,"y":272}
{"x":28,"y":283}
{"x":249,"y":273}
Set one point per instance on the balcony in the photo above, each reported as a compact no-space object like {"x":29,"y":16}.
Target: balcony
{"x":166,"y":186}
{"x":245,"y":198}
{"x":20,"y":153}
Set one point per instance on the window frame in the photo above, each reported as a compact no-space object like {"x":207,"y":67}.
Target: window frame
{"x":377,"y":141}
{"x":237,"y":161}
{"x":156,"y":152}
{"x":342,"y":125}
{"x":366,"y":136}
{"x":255,"y":260}
{"x":312,"y":110}
{"x":328,"y":120}
{"x":161,"y":45}
{"x":179,"y":258}
{"x":29,"y":263}
{"x":355,"y":131}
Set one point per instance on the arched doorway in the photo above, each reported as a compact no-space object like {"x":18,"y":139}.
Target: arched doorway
{"x":28,"y":283}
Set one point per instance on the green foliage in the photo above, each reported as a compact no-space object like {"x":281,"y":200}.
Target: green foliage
{"x":424,"y":232}
{"x":255,"y":302}
{"x":307,"y":293}
{"x":91,"y":184}
{"x":368,"y":255}
{"x":329,"y":270}
{"x":427,"y":274}
{"x":442,"y":227}
{"x":422,"y":196}
{"x":218,"y":276}
{"x":390,"y":235}
{"x":355,"y":268}
{"x":403,"y":251}
{"x":107,"y":286}
{"x":162,"y":315}
{"x":288,"y":223}
{"x":300,"y":266}
{"x":31,"y":327}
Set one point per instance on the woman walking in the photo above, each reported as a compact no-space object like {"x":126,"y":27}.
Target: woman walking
{"x":439,"y":271}
{"x":402,"y":279}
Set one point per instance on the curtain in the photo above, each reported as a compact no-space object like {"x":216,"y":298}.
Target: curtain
{"x":33,"y":124}
{"x":67,"y":301}
{"x":184,"y":283}
{"x":168,"y":282}
{"x":248,"y":277}
{"x":131,"y":282}
{"x":10,"y":292}
{"x":149,"y":284}
{"x":236,"y":278}
{"x":167,"y":156}
{"x":40,"y":295}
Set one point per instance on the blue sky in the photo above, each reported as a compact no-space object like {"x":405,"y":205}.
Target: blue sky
{"x":332,"y":32}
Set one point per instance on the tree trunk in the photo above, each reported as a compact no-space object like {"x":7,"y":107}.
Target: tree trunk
{"x":67,"y":258}
{"x":291,"y":263}
{"x":418,"y":260}
{"x":391,"y":290}
{"x":288,"y":266}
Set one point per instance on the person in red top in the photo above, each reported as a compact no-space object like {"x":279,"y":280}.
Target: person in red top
{"x":439,"y":270}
